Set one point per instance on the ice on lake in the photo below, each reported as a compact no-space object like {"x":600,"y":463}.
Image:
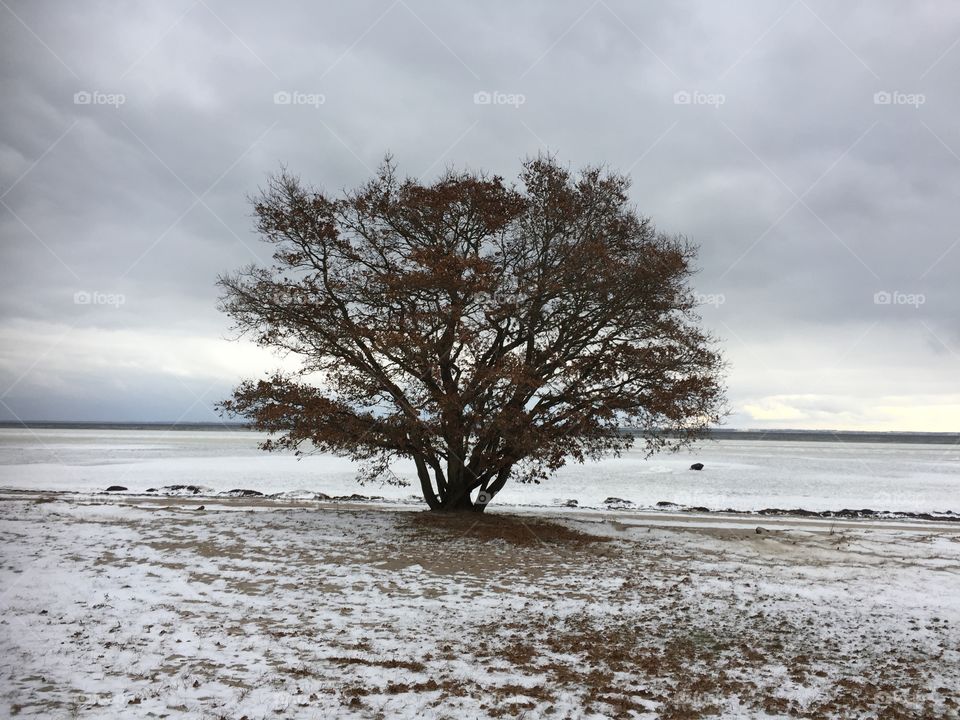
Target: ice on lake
{"x":738,"y":474}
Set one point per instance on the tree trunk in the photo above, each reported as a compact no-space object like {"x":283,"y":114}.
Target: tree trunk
{"x":426,"y":486}
{"x":456,"y":497}
{"x":459,"y":502}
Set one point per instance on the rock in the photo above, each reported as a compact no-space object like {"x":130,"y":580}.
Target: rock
{"x":699,"y":508}
{"x":664,"y":503}
{"x":617,"y":501}
{"x":571,"y":503}
{"x":848,"y":513}
{"x":357,"y":498}
{"x":697,"y":466}
{"x":298,"y":495}
{"x":117,"y":488}
{"x":240,"y":492}
{"x":761,"y":530}
{"x":193,"y":489}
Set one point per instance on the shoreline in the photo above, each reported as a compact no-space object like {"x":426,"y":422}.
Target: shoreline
{"x":672,"y":516}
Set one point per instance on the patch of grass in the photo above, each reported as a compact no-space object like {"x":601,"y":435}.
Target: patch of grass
{"x":512,"y":529}
{"x":411,"y":665}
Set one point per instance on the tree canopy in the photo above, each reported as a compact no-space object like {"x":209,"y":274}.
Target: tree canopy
{"x":486,"y":330}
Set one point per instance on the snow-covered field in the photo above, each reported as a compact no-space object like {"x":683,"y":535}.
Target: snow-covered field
{"x":147,"y":608}
{"x":742,"y":475}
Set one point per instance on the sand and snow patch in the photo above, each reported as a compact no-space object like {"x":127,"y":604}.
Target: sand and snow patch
{"x":126,"y":610}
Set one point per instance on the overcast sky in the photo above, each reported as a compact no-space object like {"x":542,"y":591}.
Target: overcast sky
{"x":811,"y":149}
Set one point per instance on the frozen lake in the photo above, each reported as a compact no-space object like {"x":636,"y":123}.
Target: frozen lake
{"x":738,"y":474}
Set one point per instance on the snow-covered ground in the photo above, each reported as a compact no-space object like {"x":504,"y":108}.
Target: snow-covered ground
{"x":743,"y":475}
{"x":145,"y":608}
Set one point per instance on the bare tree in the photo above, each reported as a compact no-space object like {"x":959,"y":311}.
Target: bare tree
{"x":483,"y":329}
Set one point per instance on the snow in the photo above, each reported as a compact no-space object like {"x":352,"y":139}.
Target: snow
{"x":128,"y":605}
{"x":135,"y":609}
{"x":742,"y":475}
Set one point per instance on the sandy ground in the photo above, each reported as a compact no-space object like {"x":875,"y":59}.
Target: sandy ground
{"x":131,"y":607}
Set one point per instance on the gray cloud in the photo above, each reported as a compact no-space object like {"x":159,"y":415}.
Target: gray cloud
{"x":810,"y":149}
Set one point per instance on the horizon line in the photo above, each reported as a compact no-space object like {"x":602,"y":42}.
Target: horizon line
{"x":237,"y":425}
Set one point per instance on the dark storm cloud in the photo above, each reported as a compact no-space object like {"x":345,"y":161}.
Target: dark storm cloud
{"x":810,"y":149}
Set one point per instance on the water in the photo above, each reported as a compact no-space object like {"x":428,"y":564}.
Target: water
{"x":738,"y":474}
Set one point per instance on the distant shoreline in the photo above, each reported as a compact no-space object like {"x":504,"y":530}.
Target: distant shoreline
{"x":846,"y":436}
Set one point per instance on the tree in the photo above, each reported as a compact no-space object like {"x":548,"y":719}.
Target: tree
{"x":484,"y":330}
